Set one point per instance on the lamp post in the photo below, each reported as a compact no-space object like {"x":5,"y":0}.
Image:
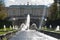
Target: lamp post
{"x":45,"y":19}
{"x":45,"y":22}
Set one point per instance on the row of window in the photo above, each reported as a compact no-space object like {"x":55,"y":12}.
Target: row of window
{"x":19,"y":12}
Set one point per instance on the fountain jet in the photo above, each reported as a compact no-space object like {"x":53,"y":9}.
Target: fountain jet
{"x":27,"y":24}
{"x":28,"y":21}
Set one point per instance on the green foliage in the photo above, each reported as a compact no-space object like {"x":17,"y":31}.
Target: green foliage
{"x":3,"y":13}
{"x":58,"y":14}
{"x":53,"y":11}
{"x":5,"y":22}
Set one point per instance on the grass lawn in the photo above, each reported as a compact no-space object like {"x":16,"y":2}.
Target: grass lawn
{"x":7,"y":30}
{"x":4,"y":32}
{"x":50,"y":30}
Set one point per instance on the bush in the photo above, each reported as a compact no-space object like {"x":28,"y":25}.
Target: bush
{"x":5,"y":22}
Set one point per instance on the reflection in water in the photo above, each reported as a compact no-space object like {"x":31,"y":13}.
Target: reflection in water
{"x":31,"y":35}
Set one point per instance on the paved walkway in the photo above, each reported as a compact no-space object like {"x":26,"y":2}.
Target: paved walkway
{"x":31,"y":35}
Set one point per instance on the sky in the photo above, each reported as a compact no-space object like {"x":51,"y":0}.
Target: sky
{"x":24,"y":2}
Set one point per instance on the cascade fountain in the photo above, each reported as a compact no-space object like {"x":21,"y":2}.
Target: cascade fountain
{"x":28,"y":21}
{"x":23,"y":26}
{"x":27,"y":24}
{"x":58,"y":28}
{"x":13,"y":27}
{"x":4,"y":27}
{"x":33,"y":26}
{"x":10,"y":28}
{"x":31,"y":34}
{"x":50,"y":26}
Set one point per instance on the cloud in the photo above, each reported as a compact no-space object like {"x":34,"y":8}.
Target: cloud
{"x":18,"y":2}
{"x":12,"y":0}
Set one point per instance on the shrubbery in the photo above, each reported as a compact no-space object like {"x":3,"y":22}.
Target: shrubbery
{"x":5,"y":22}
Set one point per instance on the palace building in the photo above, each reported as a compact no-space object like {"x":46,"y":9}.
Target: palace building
{"x":20,"y":12}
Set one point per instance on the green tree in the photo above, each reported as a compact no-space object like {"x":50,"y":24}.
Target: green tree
{"x":53,"y":12}
{"x":3,"y":13}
